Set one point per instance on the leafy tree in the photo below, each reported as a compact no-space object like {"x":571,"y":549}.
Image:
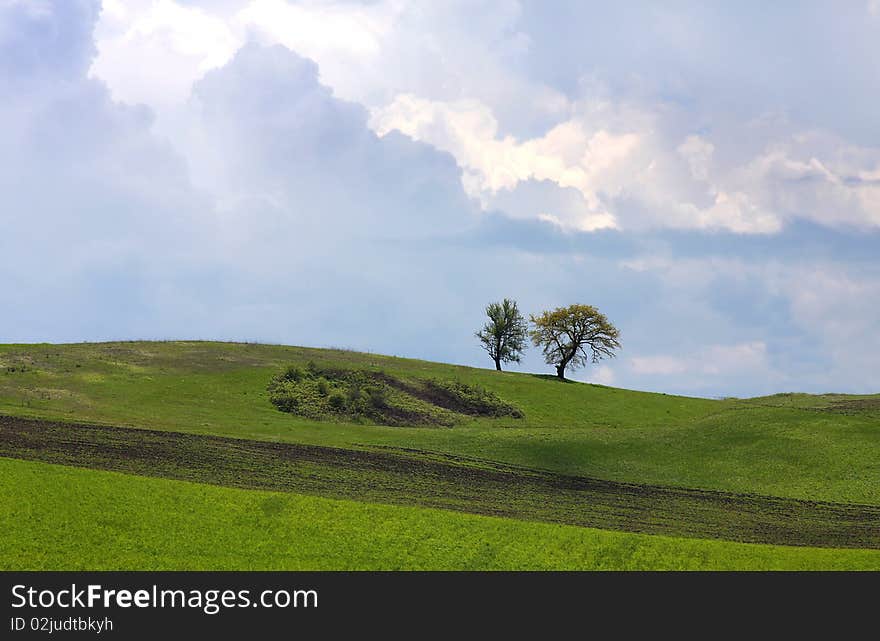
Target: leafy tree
{"x":574,"y":336}
{"x":504,"y":336}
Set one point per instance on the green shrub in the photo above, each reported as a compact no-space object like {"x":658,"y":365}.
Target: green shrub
{"x":337,"y":401}
{"x":378,"y":397}
{"x":469,"y":399}
{"x":356,"y":395}
{"x":293,"y":374}
{"x":287,"y":403}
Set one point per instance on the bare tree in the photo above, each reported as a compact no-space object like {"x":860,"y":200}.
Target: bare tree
{"x":574,"y":336}
{"x":504,"y":336}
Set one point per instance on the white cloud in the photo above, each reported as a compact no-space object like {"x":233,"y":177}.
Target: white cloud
{"x":838,"y":307}
{"x":719,"y":369}
{"x":744,"y":357}
{"x":698,"y":154}
{"x":568,"y":155}
{"x":603,"y":375}
{"x":831,"y":306}
{"x":818,"y":178}
{"x":366,"y":51}
{"x":170,"y":45}
{"x":300,"y":212}
{"x":627,"y":173}
{"x":455,"y":76}
{"x":269,"y":131}
{"x":322,"y":30}
{"x":659,"y":364}
{"x":714,"y":360}
{"x":735,"y":212}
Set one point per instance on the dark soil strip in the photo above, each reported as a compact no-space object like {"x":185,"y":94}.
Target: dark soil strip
{"x":854,"y":406}
{"x":408,"y":477}
{"x":434,"y":393}
{"x":430,"y":394}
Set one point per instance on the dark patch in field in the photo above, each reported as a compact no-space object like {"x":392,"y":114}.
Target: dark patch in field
{"x":447,"y":396}
{"x":413,"y":477}
{"x":823,"y":403}
{"x":854,"y":406}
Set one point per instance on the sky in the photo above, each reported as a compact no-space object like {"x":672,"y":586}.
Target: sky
{"x":369,"y":175}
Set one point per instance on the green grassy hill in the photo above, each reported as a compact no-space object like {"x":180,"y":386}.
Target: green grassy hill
{"x":808,"y":448}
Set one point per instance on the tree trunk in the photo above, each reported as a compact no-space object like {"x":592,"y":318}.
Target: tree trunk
{"x":498,"y":364}
{"x":560,"y":371}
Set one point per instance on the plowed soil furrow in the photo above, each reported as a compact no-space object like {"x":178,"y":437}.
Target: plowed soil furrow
{"x":427,"y":479}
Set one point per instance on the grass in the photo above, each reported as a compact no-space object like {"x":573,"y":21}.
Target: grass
{"x":60,"y":518}
{"x":414,"y":478}
{"x":803,"y":449}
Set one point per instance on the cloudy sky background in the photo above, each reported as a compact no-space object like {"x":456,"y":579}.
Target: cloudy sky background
{"x":371,"y":174}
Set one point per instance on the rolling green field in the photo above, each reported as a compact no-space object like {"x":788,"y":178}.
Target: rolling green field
{"x":808,"y":448}
{"x":59,"y":517}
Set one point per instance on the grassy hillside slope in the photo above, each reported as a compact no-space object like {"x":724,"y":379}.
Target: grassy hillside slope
{"x":795,"y":446}
{"x":60,"y":518}
{"x":407,"y":477}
